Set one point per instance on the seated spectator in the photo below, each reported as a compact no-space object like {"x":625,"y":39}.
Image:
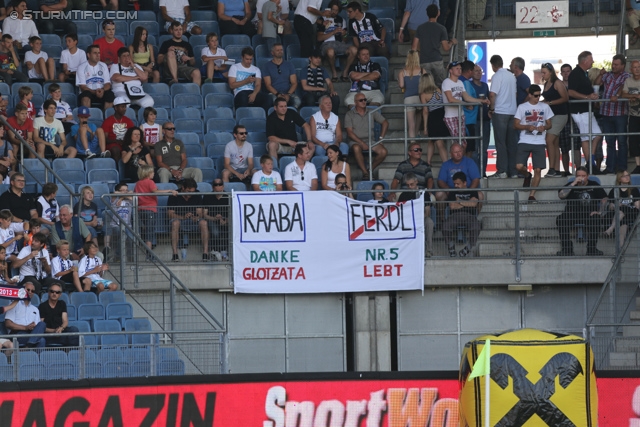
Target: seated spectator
{"x":26,"y":95}
{"x":134,"y":154}
{"x":71,"y":59}
{"x":152,"y":131}
{"x":585,"y":206}
{"x":280,"y":78}
{"x":63,"y":109}
{"x":238,"y":158}
{"x":365,"y":77}
{"x":71,"y":229}
{"x":24,"y":127}
{"x":91,"y":269}
{"x":234,"y":17}
{"x":171,"y":158}
{"x":109,"y":45}
{"x":411,"y":182}
{"x":116,"y":126}
{"x":37,"y":61}
{"x":216,"y":212}
{"x":5,"y":274}
{"x":245,"y":79}
{"x":127,"y":79}
{"x":326,"y":129}
{"x":24,"y":319}
{"x":341,"y":184}
{"x":33,"y":262}
{"x":334,"y":166}
{"x":90,"y":140}
{"x":62,"y":267}
{"x":266,"y":179}
{"x":316,"y":84}
{"x":185,"y":213}
{"x":123,"y":205}
{"x":213,"y":61}
{"x":51,"y":26}
{"x":9,"y":62}
{"x":366,"y":30}
{"x":415,"y":165}
{"x":45,"y":131}
{"x":142,"y":54}
{"x":54,"y":315}
{"x":7,"y":159}
{"x":21,"y":205}
{"x":281,"y":129}
{"x":87,"y":210}
{"x":93,"y":80}
{"x":463,"y":211}
{"x":47,"y":207}
{"x":10,"y":233}
{"x":532,"y":119}
{"x":457,"y":163}
{"x":177,"y":57}
{"x":633,"y":19}
{"x":31,"y":229}
{"x":378,"y":196}
{"x":301,"y":174}
{"x":178,"y":10}
{"x":627,"y":198}
{"x":358,"y":130}
{"x":19,"y":28}
{"x":331,"y":33}
{"x":282,"y":14}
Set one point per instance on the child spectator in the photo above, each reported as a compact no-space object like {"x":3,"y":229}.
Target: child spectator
{"x":26,"y":95}
{"x":90,"y":270}
{"x":122,"y":204}
{"x":87,"y":210}
{"x":5,"y":278}
{"x":90,"y":139}
{"x":4,"y":103}
{"x":47,"y":207}
{"x":10,"y":233}
{"x":148,"y":205}
{"x":70,"y":59}
{"x":38,"y":63}
{"x":30,"y":229}
{"x":152,"y":130}
{"x":7,"y":159}
{"x":143,"y":55}
{"x":378,"y":196}
{"x":45,"y":131}
{"x":62,"y":267}
{"x":271,"y":22}
{"x":23,"y":126}
{"x":63,"y":109}
{"x":213,"y":58}
{"x":266,"y":179}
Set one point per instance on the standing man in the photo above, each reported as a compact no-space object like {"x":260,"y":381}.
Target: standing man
{"x":415,"y":14}
{"x":430,"y":38}
{"x":24,"y":318}
{"x":580,"y":88}
{"x":171,"y":157}
{"x":615,"y":114}
{"x":178,"y":10}
{"x":366,"y":30}
{"x":304,"y":21}
{"x":93,"y":80}
{"x":281,"y":129}
{"x":631,"y":91}
{"x":567,"y":142}
{"x":53,"y":313}
{"x":501,"y":110}
{"x":301,"y":174}
{"x":633,"y":18}
{"x":482,"y":92}
{"x":523,"y":82}
{"x":238,"y":158}
{"x":280,"y":78}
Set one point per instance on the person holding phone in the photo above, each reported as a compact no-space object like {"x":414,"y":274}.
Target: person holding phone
{"x":33,"y":262}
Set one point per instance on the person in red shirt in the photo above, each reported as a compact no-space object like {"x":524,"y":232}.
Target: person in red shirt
{"x":24,"y":126}
{"x":109,"y":44}
{"x":116,"y":126}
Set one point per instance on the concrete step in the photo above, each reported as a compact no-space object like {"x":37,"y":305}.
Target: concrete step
{"x":634,"y":315}
{"x":623,"y":345}
{"x":526,"y":209}
{"x":631,"y":331}
{"x":529,"y":234}
{"x":541,"y":249}
{"x":627,"y":360}
{"x":507,"y":222}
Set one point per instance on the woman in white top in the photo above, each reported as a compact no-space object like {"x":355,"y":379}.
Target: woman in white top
{"x":334,"y":166}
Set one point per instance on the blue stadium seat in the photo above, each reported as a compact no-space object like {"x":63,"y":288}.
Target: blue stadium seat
{"x":390,"y":26}
{"x":67,"y":88}
{"x":6,"y":370}
{"x":208,"y":26}
{"x":185,"y":113}
{"x":30,"y":368}
{"x":218,"y":113}
{"x":84,"y":326}
{"x":254,"y":125}
{"x":78,"y":298}
{"x":36,"y":87}
{"x":193,"y":150}
{"x":104,"y":176}
{"x":89,"y":28}
{"x":91,"y":313}
{"x":208,"y":88}
{"x":234,"y":186}
{"x":152,"y":27}
{"x":262,"y":52}
{"x":112,"y":325}
{"x":179,"y":88}
{"x":307,"y":112}
{"x":293,"y":51}
{"x":171,"y":367}
{"x":235,"y":39}
{"x":250,"y":113}
{"x":136,"y":325}
{"x":54,"y":51}
{"x":204,"y":187}
{"x":5,"y":89}
{"x":92,"y":368}
{"x":156,"y":88}
{"x":257,"y":136}
{"x":84,"y":40}
{"x":99,"y":163}
{"x":197,"y":40}
{"x":141,"y":361}
{"x":257,"y":40}
{"x":114,"y":365}
{"x":189,"y":125}
{"x":188,"y":138}
{"x":384,"y":13}
{"x":220,"y":125}
{"x":64,"y":196}
{"x":122,"y":27}
{"x":215,"y":151}
{"x":50,"y":39}
{"x":162,"y":223}
{"x":205,"y":164}
{"x":58,"y":365}
{"x":35,"y":300}
{"x":290,"y":40}
{"x":190,"y":100}
{"x":318,"y":161}
{"x":219,"y":100}
{"x":71,"y":99}
{"x":234,"y":51}
{"x":34,"y":171}
{"x":72,"y":312}
{"x":162,"y":101}
{"x":120,"y":311}
{"x":217,"y":138}
{"x":167,"y":353}
{"x":367,"y":185}
{"x":72,"y":176}
{"x":284,"y":161}
{"x":259,"y":148}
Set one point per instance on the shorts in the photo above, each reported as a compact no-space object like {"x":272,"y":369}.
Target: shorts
{"x":184,"y":72}
{"x":634,"y":19}
{"x":2,"y":341}
{"x":557,"y":124}
{"x":94,"y":145}
{"x":582,"y":120}
{"x":105,"y":283}
{"x":538,"y":155}
{"x":412,"y":100}
{"x":283,"y":149}
{"x":48,"y":151}
{"x":190,"y":25}
{"x":107,"y":97}
{"x":187,"y":225}
{"x":338,"y":47}
{"x":373,"y":96}
{"x":114,"y":146}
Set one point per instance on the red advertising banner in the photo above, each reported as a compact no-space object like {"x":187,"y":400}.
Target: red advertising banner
{"x":324,"y":403}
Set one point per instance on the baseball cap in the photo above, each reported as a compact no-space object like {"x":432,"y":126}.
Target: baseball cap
{"x":454,"y":64}
{"x":84,"y":112}
{"x":121,"y":100}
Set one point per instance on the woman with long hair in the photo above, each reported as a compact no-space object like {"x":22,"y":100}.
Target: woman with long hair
{"x":335,"y":165}
{"x":628,"y":204}
{"x":142,"y":53}
{"x":409,"y":81}
{"x":433,"y":117}
{"x":557,"y":97}
{"x":134,"y":153}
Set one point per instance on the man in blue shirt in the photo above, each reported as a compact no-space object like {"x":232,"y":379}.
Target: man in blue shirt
{"x":280,"y":78}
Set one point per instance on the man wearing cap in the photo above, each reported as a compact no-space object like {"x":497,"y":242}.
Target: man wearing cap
{"x":90,"y":140}
{"x":171,"y":157}
{"x":127,"y":79}
{"x":92,"y":78}
{"x":116,"y":126}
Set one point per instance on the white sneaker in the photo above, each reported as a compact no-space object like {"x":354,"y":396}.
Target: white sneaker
{"x":501,"y":175}
{"x":89,"y":154}
{"x":216,"y":255}
{"x":105,"y":154}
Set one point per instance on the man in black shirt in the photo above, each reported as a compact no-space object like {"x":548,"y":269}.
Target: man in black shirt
{"x":177,"y":57}
{"x":216,"y":212}
{"x":53,"y":312}
{"x":411,"y":181}
{"x":185,"y":212}
{"x":585,"y":207}
{"x":463,"y":211}
{"x":366,"y":30}
{"x":21,"y":205}
{"x":580,"y":88}
{"x":281,"y":129}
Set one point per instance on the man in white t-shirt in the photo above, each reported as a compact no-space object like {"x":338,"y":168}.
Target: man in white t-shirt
{"x":501,"y":110}
{"x":532,"y":119}
{"x":178,"y":10}
{"x":45,"y":130}
{"x":33,"y":262}
{"x":93,"y":80}
{"x":245,"y":79}
{"x":301,"y":175}
{"x":266,"y":179}
{"x":238,"y":158}
{"x":127,"y":79}
{"x":24,"y":318}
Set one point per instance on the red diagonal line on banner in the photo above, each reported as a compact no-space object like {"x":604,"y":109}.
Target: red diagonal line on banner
{"x":358,"y":231}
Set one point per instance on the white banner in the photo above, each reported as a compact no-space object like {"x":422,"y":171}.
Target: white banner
{"x":321,"y":241}
{"x":542,"y":14}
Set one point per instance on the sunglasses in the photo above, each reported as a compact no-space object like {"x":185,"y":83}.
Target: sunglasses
{"x":169,"y":128}
{"x":548,"y":66}
{"x":536,"y":96}
{"x":362,"y":100}
{"x":217,"y":184}
{"x":30,"y":290}
{"x":279,"y":70}
{"x":454,"y":64}
{"x":417,"y":150}
{"x":55,"y":292}
{"x":302,"y":175}
{"x":241,"y":133}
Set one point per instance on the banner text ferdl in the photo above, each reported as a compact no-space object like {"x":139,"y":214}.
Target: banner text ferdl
{"x":321,"y":241}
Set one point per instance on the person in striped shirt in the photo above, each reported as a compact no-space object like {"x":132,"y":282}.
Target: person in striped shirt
{"x":62,"y":267}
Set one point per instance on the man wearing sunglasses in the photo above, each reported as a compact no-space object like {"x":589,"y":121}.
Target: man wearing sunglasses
{"x":414,"y":165}
{"x":24,"y":319}
{"x":238,"y":158}
{"x":53,"y":312}
{"x":171,"y":157}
